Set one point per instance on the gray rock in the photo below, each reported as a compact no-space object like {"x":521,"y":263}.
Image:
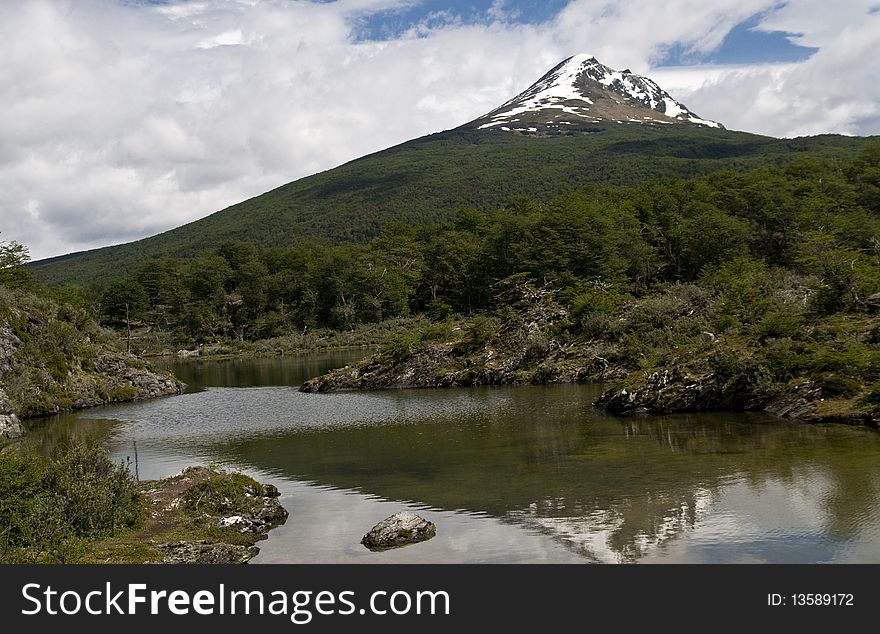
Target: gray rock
{"x":201,"y":552}
{"x":9,"y":345}
{"x":10,"y":427}
{"x":873,"y":302}
{"x":399,"y":530}
{"x":267,"y":517}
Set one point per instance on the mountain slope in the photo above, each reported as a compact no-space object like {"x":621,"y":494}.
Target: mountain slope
{"x":476,"y":165}
{"x":582,"y":90}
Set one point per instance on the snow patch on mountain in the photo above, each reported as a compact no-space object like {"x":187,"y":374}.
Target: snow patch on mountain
{"x":566,"y":90}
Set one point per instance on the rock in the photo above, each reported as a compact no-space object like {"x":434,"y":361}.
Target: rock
{"x":272,"y":514}
{"x":261,"y":521}
{"x":707,"y":336}
{"x":10,"y":426}
{"x":187,"y":354}
{"x":9,"y":345}
{"x":873,"y":302}
{"x":798,"y":402}
{"x":271,"y":491}
{"x":143,"y":382}
{"x":399,"y":530}
{"x":674,"y":389}
{"x":201,"y":552}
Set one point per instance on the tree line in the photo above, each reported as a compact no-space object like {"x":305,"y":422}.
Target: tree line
{"x":816,"y":216}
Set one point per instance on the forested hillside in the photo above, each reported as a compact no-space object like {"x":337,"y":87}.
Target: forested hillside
{"x":755,"y":291}
{"x":427,"y":180}
{"x":815,"y":218}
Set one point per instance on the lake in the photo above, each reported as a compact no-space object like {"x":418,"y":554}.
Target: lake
{"x":525,"y":474}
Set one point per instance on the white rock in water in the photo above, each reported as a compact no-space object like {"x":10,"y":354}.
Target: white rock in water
{"x":399,"y":530}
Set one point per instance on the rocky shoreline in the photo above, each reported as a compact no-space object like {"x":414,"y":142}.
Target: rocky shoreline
{"x":658,"y":392}
{"x":39,"y":380}
{"x":532,"y":346}
{"x":199,"y":516}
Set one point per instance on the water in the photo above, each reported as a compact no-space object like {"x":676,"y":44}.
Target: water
{"x":509,"y":474}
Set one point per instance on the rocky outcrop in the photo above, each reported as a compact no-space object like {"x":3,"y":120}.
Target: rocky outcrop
{"x":10,"y":426}
{"x":519,"y":350}
{"x":258,"y":522}
{"x":676,"y":390}
{"x":145,"y":382}
{"x":224,"y":514}
{"x":9,"y":344}
{"x":65,"y":365}
{"x":399,"y":530}
{"x":202,"y":552}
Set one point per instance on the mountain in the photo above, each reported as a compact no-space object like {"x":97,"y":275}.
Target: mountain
{"x":581,"y":90}
{"x":581,"y":123}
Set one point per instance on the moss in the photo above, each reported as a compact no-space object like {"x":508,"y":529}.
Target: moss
{"x":122,"y":393}
{"x":204,"y":494}
{"x":224,"y":493}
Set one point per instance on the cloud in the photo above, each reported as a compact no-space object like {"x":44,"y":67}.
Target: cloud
{"x":123,"y":119}
{"x":836,"y":90}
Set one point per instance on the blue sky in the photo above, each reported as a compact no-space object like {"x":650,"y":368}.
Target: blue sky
{"x":135,"y":116}
{"x":744,"y":44}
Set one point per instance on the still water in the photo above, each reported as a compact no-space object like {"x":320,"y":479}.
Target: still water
{"x":508,"y":474}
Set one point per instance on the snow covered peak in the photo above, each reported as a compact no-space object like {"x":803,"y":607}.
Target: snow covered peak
{"x":582,"y":90}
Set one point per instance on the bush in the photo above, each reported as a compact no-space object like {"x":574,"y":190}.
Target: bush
{"x":778,"y":324}
{"x":480,"y":331}
{"x":836,"y":385}
{"x":400,"y":345}
{"x":48,"y":507}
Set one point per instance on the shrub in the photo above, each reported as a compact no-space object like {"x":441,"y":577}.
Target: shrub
{"x":480,"y":331}
{"x":837,"y":385}
{"x":49,"y":506}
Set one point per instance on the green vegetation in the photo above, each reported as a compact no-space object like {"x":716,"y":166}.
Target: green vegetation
{"x":760,"y":269}
{"x":12,"y":258}
{"x":424,"y":182}
{"x":186,"y":510}
{"x":732,"y":233}
{"x":744,"y":289}
{"x":55,"y":356}
{"x":77,"y":506}
{"x":51,"y":509}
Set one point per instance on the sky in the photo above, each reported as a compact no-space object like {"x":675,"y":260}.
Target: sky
{"x":120,"y":119}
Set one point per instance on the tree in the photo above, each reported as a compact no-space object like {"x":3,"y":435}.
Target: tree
{"x":13,"y":256}
{"x":123,"y":300}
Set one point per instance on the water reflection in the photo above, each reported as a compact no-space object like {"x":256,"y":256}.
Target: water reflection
{"x":256,"y":372}
{"x":520,"y":474}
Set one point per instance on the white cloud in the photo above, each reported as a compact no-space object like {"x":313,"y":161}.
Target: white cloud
{"x":120,"y":120}
{"x":836,"y":90}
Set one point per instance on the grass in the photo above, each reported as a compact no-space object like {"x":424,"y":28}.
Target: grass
{"x":77,"y":506}
{"x":185,"y":507}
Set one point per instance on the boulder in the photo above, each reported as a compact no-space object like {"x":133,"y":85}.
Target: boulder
{"x":399,"y":530}
{"x":10,"y":427}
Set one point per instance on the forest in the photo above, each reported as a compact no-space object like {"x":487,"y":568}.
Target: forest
{"x":811,"y":225}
